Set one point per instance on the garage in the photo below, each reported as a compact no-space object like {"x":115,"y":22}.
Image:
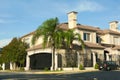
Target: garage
{"x":40,"y":61}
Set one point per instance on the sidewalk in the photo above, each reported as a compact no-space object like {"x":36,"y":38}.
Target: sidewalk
{"x":51,"y":72}
{"x":61,"y":72}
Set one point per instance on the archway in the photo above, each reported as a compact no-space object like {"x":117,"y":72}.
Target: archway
{"x":40,"y":61}
{"x":105,"y":54}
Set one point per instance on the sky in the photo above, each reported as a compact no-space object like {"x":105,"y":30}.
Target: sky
{"x":20,"y":17}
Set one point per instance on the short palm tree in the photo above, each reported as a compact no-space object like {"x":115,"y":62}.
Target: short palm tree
{"x":70,"y":36}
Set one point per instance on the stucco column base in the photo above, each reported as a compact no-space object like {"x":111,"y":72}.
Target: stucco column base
{"x":107,"y":57}
{"x":94,"y":59}
{"x":27,"y":63}
{"x":56,"y":62}
{"x":3,"y":66}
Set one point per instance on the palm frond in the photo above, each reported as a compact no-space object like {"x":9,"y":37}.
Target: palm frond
{"x":80,"y":40}
{"x":47,"y":30}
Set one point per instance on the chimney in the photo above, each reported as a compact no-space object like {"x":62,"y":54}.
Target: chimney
{"x":72,"y":20}
{"x":114,"y":25}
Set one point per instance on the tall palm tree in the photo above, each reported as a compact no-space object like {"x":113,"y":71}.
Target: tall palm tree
{"x":51,"y":36}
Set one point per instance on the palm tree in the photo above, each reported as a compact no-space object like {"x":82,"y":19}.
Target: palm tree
{"x":70,"y":36}
{"x":51,"y":36}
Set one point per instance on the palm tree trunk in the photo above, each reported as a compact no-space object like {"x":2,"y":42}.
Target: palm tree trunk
{"x":53,"y":56}
{"x":53,"y":59}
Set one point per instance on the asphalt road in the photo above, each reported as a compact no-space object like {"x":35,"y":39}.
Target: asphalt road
{"x":97,"y":75}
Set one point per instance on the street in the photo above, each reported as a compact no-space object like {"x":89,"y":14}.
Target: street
{"x":96,"y":75}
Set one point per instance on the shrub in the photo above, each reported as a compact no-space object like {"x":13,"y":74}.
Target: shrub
{"x":81,"y":67}
{"x":22,"y":68}
{"x":96,"y":66}
{"x":61,"y":69}
{"x":46,"y":69}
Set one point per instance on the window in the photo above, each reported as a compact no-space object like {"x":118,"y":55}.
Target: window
{"x":97,"y":39}
{"x":27,"y":41}
{"x":87,"y":36}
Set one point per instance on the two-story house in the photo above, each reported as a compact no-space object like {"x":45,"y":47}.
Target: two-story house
{"x":110,"y":39}
{"x":100,"y":45}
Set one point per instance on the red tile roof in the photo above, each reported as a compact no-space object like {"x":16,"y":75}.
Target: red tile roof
{"x":64,"y":26}
{"x":94,"y":45}
{"x":28,"y":34}
{"x":79,"y":26}
{"x":108,"y":32}
{"x":116,"y":48}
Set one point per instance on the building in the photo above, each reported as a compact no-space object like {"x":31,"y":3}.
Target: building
{"x":100,"y":45}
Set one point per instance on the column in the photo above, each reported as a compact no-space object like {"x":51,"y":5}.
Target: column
{"x":11,"y":66}
{"x":27,"y":63}
{"x":107,"y":57}
{"x":94,"y":59}
{"x":3,"y":66}
{"x":78,"y":56}
{"x":52,"y":63}
{"x":56,"y":61}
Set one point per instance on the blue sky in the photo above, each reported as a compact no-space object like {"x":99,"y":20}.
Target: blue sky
{"x":19,"y":17}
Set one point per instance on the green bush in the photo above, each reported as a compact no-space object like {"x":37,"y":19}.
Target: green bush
{"x":22,"y":68}
{"x":96,"y":66}
{"x":81,"y":67}
{"x":46,"y":69}
{"x":61,"y":69}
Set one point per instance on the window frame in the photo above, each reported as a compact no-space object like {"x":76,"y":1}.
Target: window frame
{"x":86,"y":36}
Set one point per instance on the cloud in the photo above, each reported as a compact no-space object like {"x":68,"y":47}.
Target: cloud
{"x":5,"y":21}
{"x":81,"y":6}
{"x":89,"y":6}
{"x":48,"y":8}
{"x":4,"y":42}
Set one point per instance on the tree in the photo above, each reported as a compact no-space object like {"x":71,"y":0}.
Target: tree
{"x":51,"y":36}
{"x":14,"y":52}
{"x":69,"y":37}
{"x":21,"y":57}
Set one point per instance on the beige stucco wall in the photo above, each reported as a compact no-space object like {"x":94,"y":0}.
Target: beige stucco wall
{"x":28,"y":39}
{"x":100,"y":53}
{"x":109,"y":39}
{"x":39,"y":41}
{"x":112,"y":37}
{"x":106,"y":39}
{"x":92,"y":35}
